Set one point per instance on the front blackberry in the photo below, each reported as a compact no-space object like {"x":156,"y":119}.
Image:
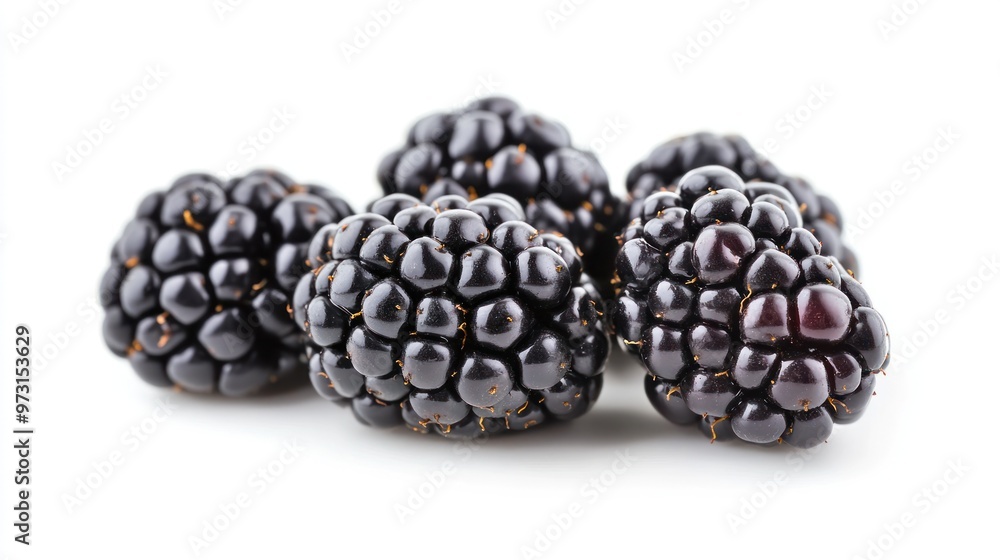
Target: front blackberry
{"x":742,"y":324}
{"x":456,"y":317}
{"x":198,"y":289}
{"x":493,"y":146}
{"x":668,"y":162}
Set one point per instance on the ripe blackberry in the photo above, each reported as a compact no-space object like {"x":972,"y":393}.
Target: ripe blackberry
{"x":743,"y":326}
{"x":456,"y":317}
{"x":667,"y":163}
{"x":494,"y":146}
{"x":197,"y":293}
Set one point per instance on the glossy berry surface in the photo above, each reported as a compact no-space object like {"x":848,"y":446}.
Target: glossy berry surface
{"x":667,"y":163}
{"x":456,"y":317}
{"x":197,"y":294}
{"x":743,"y":326}
{"x":494,"y":146}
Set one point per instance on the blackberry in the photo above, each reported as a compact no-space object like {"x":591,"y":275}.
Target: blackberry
{"x":743,"y":326}
{"x":197,"y":294}
{"x":455,"y":317}
{"x":667,"y":163}
{"x":494,"y":146}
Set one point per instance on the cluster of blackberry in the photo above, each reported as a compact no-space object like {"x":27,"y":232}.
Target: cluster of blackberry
{"x":455,"y":316}
{"x":470,"y":299}
{"x":668,"y":162}
{"x":494,"y":146}
{"x":742,"y":324}
{"x":199,"y":282}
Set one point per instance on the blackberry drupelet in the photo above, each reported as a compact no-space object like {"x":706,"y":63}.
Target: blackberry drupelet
{"x":667,"y":163}
{"x":744,"y":327}
{"x":456,"y":317}
{"x":494,"y":146}
{"x":197,"y":294}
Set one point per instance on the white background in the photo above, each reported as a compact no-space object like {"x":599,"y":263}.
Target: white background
{"x":890,"y":93}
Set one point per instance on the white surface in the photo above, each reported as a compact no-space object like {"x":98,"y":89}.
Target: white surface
{"x":607,"y":62}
